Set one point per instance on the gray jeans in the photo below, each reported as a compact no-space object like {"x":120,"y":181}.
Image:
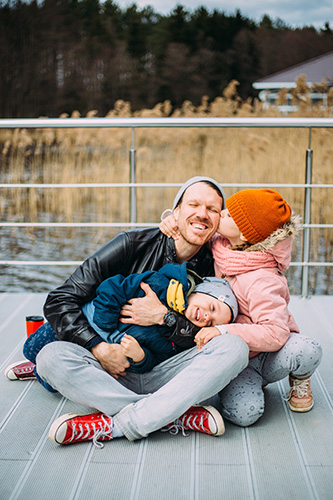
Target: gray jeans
{"x":144,"y":403}
{"x":242,"y":401}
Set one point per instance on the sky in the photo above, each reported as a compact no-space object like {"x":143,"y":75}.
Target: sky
{"x":295,"y":13}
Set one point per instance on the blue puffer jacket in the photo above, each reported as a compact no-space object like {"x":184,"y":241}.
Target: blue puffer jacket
{"x":104,"y":310}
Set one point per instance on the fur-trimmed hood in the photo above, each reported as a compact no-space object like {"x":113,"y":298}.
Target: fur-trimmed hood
{"x":289,"y":230}
{"x":279,"y":243}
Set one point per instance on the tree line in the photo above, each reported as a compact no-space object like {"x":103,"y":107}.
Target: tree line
{"x":60,"y":55}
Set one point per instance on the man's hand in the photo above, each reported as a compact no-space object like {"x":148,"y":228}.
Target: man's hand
{"x":144,"y":311}
{"x":112,"y":358}
{"x":205,"y":335}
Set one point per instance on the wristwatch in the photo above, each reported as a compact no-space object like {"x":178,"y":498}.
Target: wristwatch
{"x":169,"y":319}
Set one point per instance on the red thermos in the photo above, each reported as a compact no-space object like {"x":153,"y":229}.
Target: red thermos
{"x":33,"y":323}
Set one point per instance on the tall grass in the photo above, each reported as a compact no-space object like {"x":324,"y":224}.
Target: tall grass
{"x":164,"y":155}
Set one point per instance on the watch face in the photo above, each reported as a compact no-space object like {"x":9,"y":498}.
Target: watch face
{"x":169,"y":319}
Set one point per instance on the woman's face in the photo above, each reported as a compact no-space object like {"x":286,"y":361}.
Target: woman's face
{"x":229,"y":229}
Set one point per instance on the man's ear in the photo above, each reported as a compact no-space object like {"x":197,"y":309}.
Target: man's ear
{"x":176,"y":213}
{"x":242,"y":237}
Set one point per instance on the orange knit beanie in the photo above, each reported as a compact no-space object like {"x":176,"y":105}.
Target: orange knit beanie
{"x":258,"y":212}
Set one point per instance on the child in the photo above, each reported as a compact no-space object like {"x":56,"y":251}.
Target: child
{"x":207,"y":303}
{"x":252,"y":249}
{"x":204,"y":302}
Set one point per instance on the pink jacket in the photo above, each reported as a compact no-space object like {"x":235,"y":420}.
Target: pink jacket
{"x":264,"y":320}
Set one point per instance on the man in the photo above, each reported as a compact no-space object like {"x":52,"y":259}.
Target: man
{"x":197,"y":207}
{"x":139,"y":405}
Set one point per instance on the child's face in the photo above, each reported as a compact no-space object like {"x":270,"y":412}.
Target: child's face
{"x":229,"y":229}
{"x":204,"y":310}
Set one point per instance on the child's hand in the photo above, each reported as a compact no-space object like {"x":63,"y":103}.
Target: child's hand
{"x":169,"y":227}
{"x":132,"y":349}
{"x":205,"y":335}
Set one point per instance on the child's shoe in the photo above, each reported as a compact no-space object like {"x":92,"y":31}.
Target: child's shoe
{"x":299,"y":396}
{"x":74,"y":428}
{"x":21,"y":370}
{"x":204,"y":419}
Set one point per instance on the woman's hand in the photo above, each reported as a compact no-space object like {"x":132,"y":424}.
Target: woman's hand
{"x":132,"y":349}
{"x":169,"y":227}
{"x":205,"y":335}
{"x":144,"y":311}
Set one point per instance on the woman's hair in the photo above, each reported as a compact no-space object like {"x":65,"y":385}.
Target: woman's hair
{"x":243,"y":246}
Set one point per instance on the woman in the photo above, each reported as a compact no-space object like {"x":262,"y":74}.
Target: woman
{"x":252,"y":249}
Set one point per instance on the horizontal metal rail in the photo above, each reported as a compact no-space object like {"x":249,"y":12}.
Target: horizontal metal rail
{"x":165,"y":122}
{"x":134,"y":123}
{"x":153,"y":185}
{"x":78,"y":262}
{"x":111,"y":224}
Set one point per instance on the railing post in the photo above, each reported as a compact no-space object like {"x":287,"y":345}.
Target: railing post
{"x":307,"y":219}
{"x":133,"y":180}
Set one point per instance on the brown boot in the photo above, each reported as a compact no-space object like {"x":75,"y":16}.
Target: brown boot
{"x":300,"y":395}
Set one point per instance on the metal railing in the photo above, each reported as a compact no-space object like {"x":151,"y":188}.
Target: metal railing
{"x":134,"y":123}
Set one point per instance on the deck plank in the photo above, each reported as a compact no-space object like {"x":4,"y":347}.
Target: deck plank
{"x":284,"y":455}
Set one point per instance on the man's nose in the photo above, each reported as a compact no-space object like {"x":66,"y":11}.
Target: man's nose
{"x":202,"y":211}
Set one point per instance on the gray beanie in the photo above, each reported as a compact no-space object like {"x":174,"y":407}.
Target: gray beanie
{"x":221,"y":290}
{"x":194,"y":180}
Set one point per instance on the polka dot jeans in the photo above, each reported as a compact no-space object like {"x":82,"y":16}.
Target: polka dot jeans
{"x":242,"y":401}
{"x":34,"y":343}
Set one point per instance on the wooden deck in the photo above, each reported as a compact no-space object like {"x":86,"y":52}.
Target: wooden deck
{"x":283,"y":456}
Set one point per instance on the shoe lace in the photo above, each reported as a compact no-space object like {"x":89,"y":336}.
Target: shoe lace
{"x":186,"y":422}
{"x":92,"y":431}
{"x":300,"y":387}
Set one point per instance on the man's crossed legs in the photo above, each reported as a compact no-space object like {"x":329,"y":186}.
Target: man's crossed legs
{"x":139,"y":404}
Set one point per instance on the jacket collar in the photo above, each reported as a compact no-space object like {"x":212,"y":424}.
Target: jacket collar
{"x":171,"y":256}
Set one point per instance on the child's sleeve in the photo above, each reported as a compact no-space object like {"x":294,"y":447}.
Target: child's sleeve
{"x":112,"y":294}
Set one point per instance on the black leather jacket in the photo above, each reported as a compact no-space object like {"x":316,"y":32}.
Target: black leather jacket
{"x":129,"y":252}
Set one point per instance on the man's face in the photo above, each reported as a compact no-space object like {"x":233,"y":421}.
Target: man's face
{"x":204,"y":310}
{"x":198,"y":215}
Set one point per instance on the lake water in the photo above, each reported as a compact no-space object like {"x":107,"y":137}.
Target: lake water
{"x":76,"y":244}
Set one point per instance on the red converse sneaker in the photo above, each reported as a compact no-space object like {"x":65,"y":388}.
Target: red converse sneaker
{"x":74,"y":428}
{"x":204,"y":419}
{"x":21,"y":370}
{"x":299,"y":396}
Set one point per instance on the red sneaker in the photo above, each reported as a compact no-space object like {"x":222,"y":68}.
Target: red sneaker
{"x":21,"y":370}
{"x":74,"y":428}
{"x":204,"y":419}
